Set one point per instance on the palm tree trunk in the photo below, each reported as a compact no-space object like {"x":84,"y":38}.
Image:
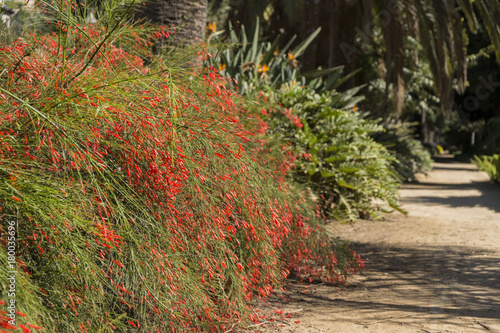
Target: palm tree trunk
{"x":187,"y":17}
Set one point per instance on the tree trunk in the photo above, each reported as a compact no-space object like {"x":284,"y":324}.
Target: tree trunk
{"x":185,"y":19}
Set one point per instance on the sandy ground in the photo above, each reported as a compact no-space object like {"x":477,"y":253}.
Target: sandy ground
{"x":435,"y":270}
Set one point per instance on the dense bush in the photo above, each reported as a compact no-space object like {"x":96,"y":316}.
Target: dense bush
{"x":489,"y":164}
{"x":146,"y":198}
{"x":339,"y":160}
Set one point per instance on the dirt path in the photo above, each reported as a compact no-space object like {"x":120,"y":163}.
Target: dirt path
{"x":435,"y":270}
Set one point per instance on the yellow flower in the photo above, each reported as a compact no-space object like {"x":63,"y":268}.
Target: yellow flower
{"x":264,"y":68}
{"x":212,"y":26}
{"x":222,"y":66}
{"x":276,"y":52}
{"x":290,"y":56}
{"x":354,"y":108}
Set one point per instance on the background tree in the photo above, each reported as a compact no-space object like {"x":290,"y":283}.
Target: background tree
{"x":348,"y":26}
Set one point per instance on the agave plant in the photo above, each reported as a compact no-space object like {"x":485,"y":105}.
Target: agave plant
{"x":255,"y":63}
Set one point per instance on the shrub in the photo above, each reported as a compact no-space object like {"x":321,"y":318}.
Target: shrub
{"x":489,"y":164}
{"x":146,"y":198}
{"x":339,"y":160}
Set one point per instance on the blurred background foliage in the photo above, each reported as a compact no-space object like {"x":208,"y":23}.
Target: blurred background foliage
{"x":430,"y":63}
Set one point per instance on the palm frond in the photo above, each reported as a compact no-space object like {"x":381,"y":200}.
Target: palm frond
{"x":490,"y":15}
{"x":466,"y":7}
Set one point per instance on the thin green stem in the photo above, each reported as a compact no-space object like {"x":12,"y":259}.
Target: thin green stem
{"x":102,"y":43}
{"x":68,"y":25}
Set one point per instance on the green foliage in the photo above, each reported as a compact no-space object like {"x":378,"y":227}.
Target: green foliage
{"x":146,"y":198}
{"x":255,"y":63}
{"x":346,"y":169}
{"x":458,"y":134}
{"x":493,"y":135}
{"x":489,"y":164}
{"x":339,"y":161}
{"x":411,"y":155}
{"x":420,"y":104}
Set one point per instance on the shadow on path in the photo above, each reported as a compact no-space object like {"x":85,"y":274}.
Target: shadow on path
{"x":465,"y":193}
{"x":444,"y":282}
{"x":489,"y":201}
{"x":416,"y":279}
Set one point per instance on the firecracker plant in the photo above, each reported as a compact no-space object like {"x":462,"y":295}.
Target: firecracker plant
{"x":145,"y":198}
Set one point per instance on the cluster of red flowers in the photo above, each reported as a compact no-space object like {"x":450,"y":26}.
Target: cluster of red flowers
{"x":148,"y":198}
